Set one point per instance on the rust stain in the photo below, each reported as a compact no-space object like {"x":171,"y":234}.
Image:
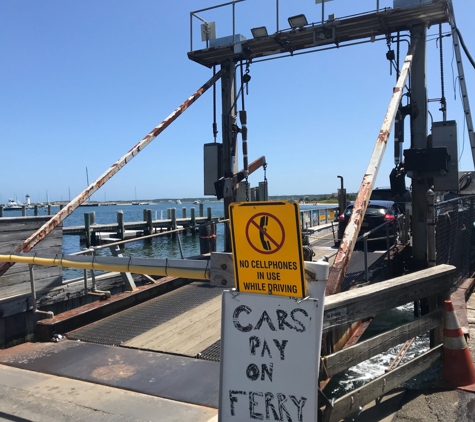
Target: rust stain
{"x":113,"y":372}
{"x":383,"y":137}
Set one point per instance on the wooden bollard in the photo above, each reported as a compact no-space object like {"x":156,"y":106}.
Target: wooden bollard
{"x":202,"y":207}
{"x":193,"y":221}
{"x":183,"y":212}
{"x":210,"y":214}
{"x":173,"y":218}
{"x":149,"y":221}
{"x":36,"y":210}
{"x":144,"y":213}
{"x":120,"y":225}
{"x":93,"y":217}
{"x":207,"y":238}
{"x":23,"y":210}
{"x":169,"y":213}
{"x":1,"y":211}
{"x":49,"y":209}
{"x":87,"y":228}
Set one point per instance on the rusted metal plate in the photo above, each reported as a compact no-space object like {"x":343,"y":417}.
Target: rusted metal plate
{"x":172,"y":377}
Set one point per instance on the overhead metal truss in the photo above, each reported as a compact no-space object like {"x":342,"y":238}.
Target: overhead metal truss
{"x":332,"y":32}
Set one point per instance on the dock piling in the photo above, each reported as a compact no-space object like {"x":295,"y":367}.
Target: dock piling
{"x":149,"y":221}
{"x":120,"y":225}
{"x":173,"y":218}
{"x":207,"y":238}
{"x":193,"y":221}
{"x":87,"y":228}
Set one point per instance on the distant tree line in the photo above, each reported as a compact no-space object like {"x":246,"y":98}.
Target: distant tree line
{"x":322,"y":198}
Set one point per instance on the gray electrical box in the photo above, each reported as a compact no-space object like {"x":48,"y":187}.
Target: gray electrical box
{"x":213,"y":167}
{"x":444,"y":134}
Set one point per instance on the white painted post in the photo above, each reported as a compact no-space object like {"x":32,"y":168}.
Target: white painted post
{"x":317,"y":283}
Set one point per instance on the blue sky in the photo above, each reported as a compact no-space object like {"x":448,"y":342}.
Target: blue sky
{"x":82,"y":82}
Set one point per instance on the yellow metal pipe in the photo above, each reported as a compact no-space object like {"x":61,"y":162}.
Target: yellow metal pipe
{"x":95,"y":264}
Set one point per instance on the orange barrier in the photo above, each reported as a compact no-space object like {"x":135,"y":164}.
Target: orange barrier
{"x":458,"y":369}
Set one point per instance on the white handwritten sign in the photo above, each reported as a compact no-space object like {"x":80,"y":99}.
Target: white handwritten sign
{"x":270,"y":354}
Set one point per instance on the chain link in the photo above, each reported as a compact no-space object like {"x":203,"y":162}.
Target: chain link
{"x":442,"y":86}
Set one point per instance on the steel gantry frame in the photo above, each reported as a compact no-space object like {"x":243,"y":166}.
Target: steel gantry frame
{"x":333,"y":34}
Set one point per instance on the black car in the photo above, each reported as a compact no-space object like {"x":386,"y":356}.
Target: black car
{"x":377,"y":213}
{"x":387,"y":194}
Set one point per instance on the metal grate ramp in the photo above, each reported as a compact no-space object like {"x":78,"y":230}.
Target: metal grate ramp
{"x":211,"y":353}
{"x":356,"y":267}
{"x":123,"y":327}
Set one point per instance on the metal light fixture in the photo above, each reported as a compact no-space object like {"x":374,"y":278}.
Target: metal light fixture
{"x":259,"y":32}
{"x":297,"y":21}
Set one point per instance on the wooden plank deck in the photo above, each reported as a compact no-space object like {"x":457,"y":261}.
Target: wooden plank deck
{"x":187,"y":334}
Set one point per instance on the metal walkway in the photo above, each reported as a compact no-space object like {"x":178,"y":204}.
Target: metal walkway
{"x":146,"y":326}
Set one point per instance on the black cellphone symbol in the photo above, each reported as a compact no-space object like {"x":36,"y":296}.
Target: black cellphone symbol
{"x":263,"y":224}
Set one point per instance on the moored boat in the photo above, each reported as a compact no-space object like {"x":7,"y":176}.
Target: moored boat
{"x":12,"y":205}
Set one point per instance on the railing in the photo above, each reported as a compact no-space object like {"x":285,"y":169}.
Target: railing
{"x":455,"y":234}
{"x":207,"y":25}
{"x":316,"y":217}
{"x":355,"y":305}
{"x":401,"y":230}
{"x":164,"y":267}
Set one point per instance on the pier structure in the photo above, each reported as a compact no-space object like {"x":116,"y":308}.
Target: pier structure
{"x":167,"y":346}
{"x":93,"y":233}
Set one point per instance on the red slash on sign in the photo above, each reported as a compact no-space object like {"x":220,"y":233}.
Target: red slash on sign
{"x":265,"y":233}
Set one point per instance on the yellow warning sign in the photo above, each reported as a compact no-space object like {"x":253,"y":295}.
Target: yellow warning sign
{"x":267,"y":248}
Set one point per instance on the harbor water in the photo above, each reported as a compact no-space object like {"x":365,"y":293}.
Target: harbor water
{"x":370,"y":369}
{"x":158,"y":247}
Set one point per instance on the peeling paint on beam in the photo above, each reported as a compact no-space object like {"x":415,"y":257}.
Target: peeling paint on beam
{"x":347,"y":245}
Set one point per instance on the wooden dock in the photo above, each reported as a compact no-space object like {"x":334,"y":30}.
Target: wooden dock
{"x":162,"y":225}
{"x":92,"y":233}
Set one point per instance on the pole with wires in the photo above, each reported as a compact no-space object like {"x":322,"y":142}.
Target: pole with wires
{"x":243,"y":119}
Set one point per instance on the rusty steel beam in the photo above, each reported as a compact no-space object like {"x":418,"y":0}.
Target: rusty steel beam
{"x":347,"y":245}
{"x":50,"y":225}
{"x":256,"y":164}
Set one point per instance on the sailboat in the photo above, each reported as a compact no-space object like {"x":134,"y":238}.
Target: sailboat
{"x":87,"y":203}
{"x":135,"y":202}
